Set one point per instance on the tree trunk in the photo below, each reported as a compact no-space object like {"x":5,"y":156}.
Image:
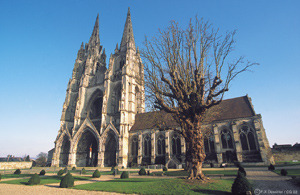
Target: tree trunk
{"x":195,"y":155}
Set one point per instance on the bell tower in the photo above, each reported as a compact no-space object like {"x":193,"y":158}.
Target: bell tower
{"x":124,"y":96}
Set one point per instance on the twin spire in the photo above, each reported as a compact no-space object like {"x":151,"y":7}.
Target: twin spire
{"x":127,"y":38}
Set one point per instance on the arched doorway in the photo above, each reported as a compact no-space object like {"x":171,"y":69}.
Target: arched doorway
{"x":110,"y":150}
{"x":87,"y":150}
{"x":64,"y":152}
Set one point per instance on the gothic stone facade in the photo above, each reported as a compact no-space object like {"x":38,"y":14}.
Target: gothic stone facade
{"x":104,"y":123}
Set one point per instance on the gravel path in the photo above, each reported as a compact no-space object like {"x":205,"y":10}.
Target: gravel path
{"x":267,"y":182}
{"x":45,"y":190}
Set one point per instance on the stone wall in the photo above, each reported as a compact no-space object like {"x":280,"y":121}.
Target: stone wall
{"x":286,"y":155}
{"x":15,"y":165}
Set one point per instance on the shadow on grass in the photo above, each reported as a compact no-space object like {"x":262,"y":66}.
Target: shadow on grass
{"x":202,"y":191}
{"x":117,"y":180}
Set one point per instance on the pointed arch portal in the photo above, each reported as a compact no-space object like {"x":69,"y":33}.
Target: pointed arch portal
{"x":87,"y":150}
{"x":64,"y":152}
{"x":110,"y":150}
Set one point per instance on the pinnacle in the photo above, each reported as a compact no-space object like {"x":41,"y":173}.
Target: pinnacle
{"x":95,"y":35}
{"x":127,"y":38}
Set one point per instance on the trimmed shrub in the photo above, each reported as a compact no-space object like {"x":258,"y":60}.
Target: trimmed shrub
{"x":43,"y":172}
{"x":60,"y":172}
{"x":0,"y":177}
{"x":66,"y":170}
{"x":34,"y":180}
{"x":124,"y":175}
{"x":18,"y":172}
{"x":83,"y":171}
{"x":142,"y":171}
{"x":271,"y":167}
{"x":283,"y":172}
{"x":165,"y":169}
{"x":74,"y":169}
{"x":242,"y":170}
{"x":96,"y":174}
{"x":241,"y":185}
{"x":67,"y":181}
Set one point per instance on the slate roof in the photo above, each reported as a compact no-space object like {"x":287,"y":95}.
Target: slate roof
{"x":239,"y":107}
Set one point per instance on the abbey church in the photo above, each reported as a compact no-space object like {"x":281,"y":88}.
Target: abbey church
{"x":104,"y":123}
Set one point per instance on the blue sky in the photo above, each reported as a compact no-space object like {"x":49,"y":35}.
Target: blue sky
{"x":39,"y":41}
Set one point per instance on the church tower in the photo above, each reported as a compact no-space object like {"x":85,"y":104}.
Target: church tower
{"x":101,"y":104}
{"x":124,"y":95}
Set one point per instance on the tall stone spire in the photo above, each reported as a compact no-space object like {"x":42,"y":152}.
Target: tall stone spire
{"x":94,"y":40}
{"x":127,"y":38}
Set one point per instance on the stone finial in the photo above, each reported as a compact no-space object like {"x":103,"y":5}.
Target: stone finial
{"x":117,"y":48}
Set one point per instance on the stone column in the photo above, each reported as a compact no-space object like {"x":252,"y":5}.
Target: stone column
{"x":217,"y":144}
{"x":153,"y":147}
{"x":183,"y":149}
{"x":140,"y":148}
{"x":55,"y":160}
{"x":237,"y":141}
{"x":72,"y":159}
{"x":167,"y":146}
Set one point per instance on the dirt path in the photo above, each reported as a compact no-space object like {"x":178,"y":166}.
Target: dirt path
{"x":267,"y":182}
{"x":45,"y":190}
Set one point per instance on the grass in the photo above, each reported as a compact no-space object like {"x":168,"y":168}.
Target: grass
{"x":206,"y":172}
{"x":286,"y":163}
{"x":7,"y":176}
{"x":160,"y":186}
{"x":44,"y":180}
{"x":291,"y":172}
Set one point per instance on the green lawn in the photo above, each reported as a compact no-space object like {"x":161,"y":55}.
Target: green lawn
{"x":291,"y":172}
{"x":207,"y":172}
{"x":160,"y":186}
{"x":44,"y":180}
{"x":286,"y":163}
{"x":7,"y":176}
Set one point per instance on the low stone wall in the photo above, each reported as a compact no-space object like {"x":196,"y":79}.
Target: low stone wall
{"x":286,"y":155}
{"x":15,"y":165}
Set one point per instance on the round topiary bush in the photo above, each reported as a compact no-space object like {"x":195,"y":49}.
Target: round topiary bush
{"x":242,"y":170}
{"x":43,"y":172}
{"x":18,"y":172}
{"x":271,"y":167}
{"x":34,"y":180}
{"x":96,"y":174}
{"x":142,"y":171}
{"x":283,"y":172}
{"x":124,"y":175}
{"x":241,"y":185}
{"x":67,"y":181}
{"x":66,"y":170}
{"x":165,"y":169}
{"x":60,"y":172}
{"x":74,"y":169}
{"x":83,"y":171}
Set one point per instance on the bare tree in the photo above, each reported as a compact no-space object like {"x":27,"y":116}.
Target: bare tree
{"x":187,"y":73}
{"x":41,"y":160}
